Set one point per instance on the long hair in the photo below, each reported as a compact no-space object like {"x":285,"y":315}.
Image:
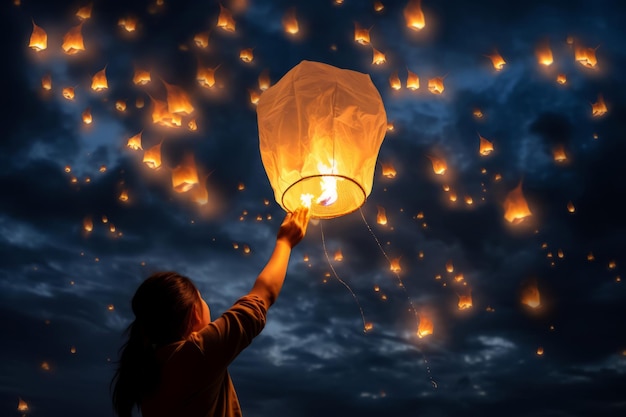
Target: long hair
{"x":163,"y":306}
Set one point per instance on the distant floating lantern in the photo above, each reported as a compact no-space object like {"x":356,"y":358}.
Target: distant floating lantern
{"x":225,"y":20}
{"x":185,"y":175}
{"x":201,"y":39}
{"x":530,"y":295}
{"x":264,"y":80}
{"x":378,"y":58}
{"x":425,"y":326}
{"x":381,"y":216}
{"x":497,"y":61}
{"x":120,"y":105}
{"x":162,"y":117}
{"x":38,"y":39}
{"x":88,"y":224}
{"x":449,"y":266}
{"x":99,"y":80}
{"x":439,"y":165}
{"x":73,"y":40}
{"x":134,"y":142}
{"x":478,"y":113}
{"x":87,"y":117}
{"x":378,"y":6}
{"x":123,"y":195}
{"x":177,"y":100}
{"x":394,"y":81}
{"x":544,"y":54}
{"x":570,"y":207}
{"x":388,"y":170}
{"x":68,"y":93}
{"x":200,"y":195}
{"x":141,"y":77}
{"x":435,"y":85}
{"x":290,"y":22}
{"x":22,"y":405}
{"x":338,"y":256}
{"x":129,"y":24}
{"x":561,"y":78}
{"x":559,"y":154}
{"x":515,"y":206}
{"x":152,"y":157}
{"x":485,"y":147}
{"x":246,"y":55}
{"x":335,"y":120}
{"x":206,"y":76}
{"x":361,"y":35}
{"x":599,"y":107}
{"x":465,"y":301}
{"x":540,"y":351}
{"x":254,"y":96}
{"x":394,"y":265}
{"x":412,"y":80}
{"x":84,"y":12}
{"x":46,"y":82}
{"x":585,"y":56}
{"x":414,"y":16}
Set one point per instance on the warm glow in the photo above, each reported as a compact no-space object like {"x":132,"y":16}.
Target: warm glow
{"x":530,"y":295}
{"x":246,"y":55}
{"x":73,"y":40}
{"x":381,"y":216}
{"x":378,"y":6}
{"x":206,"y":76}
{"x":88,"y":224}
{"x":559,"y":153}
{"x":38,"y":39}
{"x":200,"y":195}
{"x":129,"y":24}
{"x":99,"y":80}
{"x":21,"y":405}
{"x":486,"y":147}
{"x":152,"y":157}
{"x":540,"y":351}
{"x":378,"y":58}
{"x":338,"y":256}
{"x":425,"y":326}
{"x":412,"y":80}
{"x":585,"y":56}
{"x":561,"y":79}
{"x":388,"y":170}
{"x":544,"y":54}
{"x":141,"y":77}
{"x":201,"y":39}
{"x":46,"y":82}
{"x":465,"y":301}
{"x":87,"y":117}
{"x":414,"y":16}
{"x":134,"y":142}
{"x":497,"y":61}
{"x":449,"y":266}
{"x":254,"y":96}
{"x":161,"y":115}
{"x":361,"y":35}
{"x":192,"y":125}
{"x":394,"y":265}
{"x":435,"y":85}
{"x":478,"y":113}
{"x":290,"y":22}
{"x":123,"y":195}
{"x":225,"y":20}
{"x":120,"y":105}
{"x":177,"y":100}
{"x":515,"y":206}
{"x":394,"y":81}
{"x":185,"y":175}
{"x":439,"y":165}
{"x":84,"y":12}
{"x":570,"y":207}
{"x":599,"y":107}
{"x":264,"y":80}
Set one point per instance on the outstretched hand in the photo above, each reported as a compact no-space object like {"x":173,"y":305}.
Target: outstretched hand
{"x":293,"y":228}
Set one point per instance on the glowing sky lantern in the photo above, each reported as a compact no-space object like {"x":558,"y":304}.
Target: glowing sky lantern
{"x":99,"y":80}
{"x":152,"y":157}
{"x":497,"y":61}
{"x":200,"y":194}
{"x":394,"y":81}
{"x":177,"y":100}
{"x":425,"y":326}
{"x":570,"y":207}
{"x":201,"y":39}
{"x":206,"y":76}
{"x":161,"y":115}
{"x":334,"y":120}
{"x":465,"y":301}
{"x":73,"y":40}
{"x":530,"y":295}
{"x":486,"y":147}
{"x":88,"y":224}
{"x":361,"y":35}
{"x":338,"y":256}
{"x":388,"y":170}
{"x":515,"y":206}
{"x":561,"y":79}
{"x":246,"y":55}
{"x":84,"y":12}
{"x":381,"y":216}
{"x":558,"y":153}
{"x":264,"y":80}
{"x":585,"y":56}
{"x":439,"y":165}
{"x":254,"y":96}
{"x":449,"y":266}
{"x":414,"y":16}
{"x":290,"y":22}
{"x":120,"y":105}
{"x":378,"y":58}
{"x":412,"y":80}
{"x":225,"y":20}
{"x":544,"y":54}
{"x":435,"y":85}
{"x":134,"y":142}
{"x":378,"y":6}
{"x":599,"y":107}
{"x":22,"y":405}
{"x":46,"y":82}
{"x":38,"y":38}
{"x":394,"y":265}
{"x":86,"y":116}
{"x":141,"y":77}
{"x":185,"y":175}
{"x":129,"y":24}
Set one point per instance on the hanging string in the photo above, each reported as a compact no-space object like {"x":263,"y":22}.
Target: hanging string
{"x":339,"y":279}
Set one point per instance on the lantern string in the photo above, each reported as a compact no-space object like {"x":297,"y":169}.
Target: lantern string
{"x":339,"y":279}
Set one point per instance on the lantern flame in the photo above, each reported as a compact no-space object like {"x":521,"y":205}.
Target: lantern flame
{"x":129,"y":24}
{"x":559,"y":153}
{"x":141,"y":77}
{"x":394,"y":265}
{"x":394,"y":81}
{"x":225,"y":20}
{"x":544,"y":54}
{"x":414,"y":15}
{"x":87,"y":117}
{"x":177,"y":100}
{"x":570,"y":207}
{"x":246,"y":55}
{"x":439,"y":165}
{"x":99,"y":80}
{"x":388,"y":170}
{"x":530,"y":295}
{"x":38,"y":39}
{"x":134,"y":142}
{"x":264,"y":80}
{"x":425,"y":326}
{"x":21,"y":405}
{"x":88,"y":224}
{"x":378,"y":6}
{"x":465,"y":301}
{"x":290,"y":22}
{"x":152,"y":157}
{"x":328,"y":184}
{"x":412,"y":80}
{"x":162,"y":117}
{"x":201,"y":39}
{"x":497,"y":61}
{"x":185,"y":175}
{"x":381,"y":216}
{"x":206,"y":76}
{"x":598,"y":108}
{"x":73,"y":40}
{"x":561,"y":79}
{"x":486,"y":147}
{"x":435,"y":85}
{"x":586,"y":56}
{"x":515,"y":206}
{"x":338,"y":255}
{"x":46,"y":82}
{"x":361,"y":35}
{"x":378,"y":58}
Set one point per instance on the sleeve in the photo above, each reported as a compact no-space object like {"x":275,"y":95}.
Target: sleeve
{"x":224,"y":338}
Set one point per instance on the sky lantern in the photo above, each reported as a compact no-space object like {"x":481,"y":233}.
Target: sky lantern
{"x":338,"y":255}
{"x":515,"y":206}
{"x":99,"y":80}
{"x":570,"y":207}
{"x":134,"y":142}
{"x":478,"y":113}
{"x":161,"y":115}
{"x":486,"y":147}
{"x":394,"y":81}
{"x":120,"y":105}
{"x":290,"y":22}
{"x":264,"y":80}
{"x":129,"y":24}
{"x":558,"y":153}
{"x":449,"y":266}
{"x":200,"y":195}
{"x":439,"y":165}
{"x":425,"y":326}
{"x":544,"y":54}
{"x":38,"y":39}
{"x":540,"y":351}
{"x":412,"y":80}
{"x":177,"y":100}
{"x":394,"y":265}
{"x":141,"y":77}
{"x":225,"y":20}
{"x":585,"y":56}
{"x":84,"y":12}
{"x":378,"y":6}
{"x":246,"y":55}
{"x":496,"y":60}
{"x":254,"y":96}
{"x":361,"y":35}
{"x":381,"y":216}
{"x":435,"y":85}
{"x":599,"y":107}
{"x":87,"y":117}
{"x":378,"y":58}
{"x":334,"y":120}
{"x":414,"y":16}
{"x":465,"y":301}
{"x":530,"y":295}
{"x":73,"y":40}
{"x":88,"y":224}
{"x":201,"y":39}
{"x":46,"y":82}
{"x":206,"y":76}
{"x":22,"y":405}
{"x":561,"y":79}
{"x":123,"y":196}
{"x":152,"y":157}
{"x":388,"y":170}
{"x":185,"y":175}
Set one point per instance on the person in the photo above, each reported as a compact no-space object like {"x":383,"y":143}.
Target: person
{"x":175,"y":360}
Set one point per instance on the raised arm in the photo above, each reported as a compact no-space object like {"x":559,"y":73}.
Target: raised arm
{"x":270,"y":281}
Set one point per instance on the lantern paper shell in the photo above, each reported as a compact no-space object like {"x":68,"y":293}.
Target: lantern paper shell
{"x":320,"y":130}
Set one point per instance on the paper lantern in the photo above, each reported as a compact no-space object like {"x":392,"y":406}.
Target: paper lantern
{"x":320,"y":129}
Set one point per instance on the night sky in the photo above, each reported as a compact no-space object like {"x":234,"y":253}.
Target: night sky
{"x":342,"y":338}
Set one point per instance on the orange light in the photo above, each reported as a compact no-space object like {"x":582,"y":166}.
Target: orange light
{"x":134,"y":142}
{"x":361,"y":35}
{"x":177,"y":100}
{"x":465,"y":301}
{"x":88,"y":224}
{"x":559,"y":153}
{"x":161,"y":115}
{"x":264,"y":80}
{"x":478,"y":113}
{"x":439,"y":165}
{"x":290,"y":22}
{"x":515,"y":206}
{"x":412,"y":80}
{"x":435,"y":85}
{"x":394,"y":265}
{"x":141,"y":77}
{"x":152,"y":157}
{"x":486,"y":147}
{"x":86,"y":116}
{"x":46,"y":82}
{"x":123,"y":195}
{"x":394,"y":81}
{"x":246,"y":55}
{"x":338,"y":256}
{"x":201,"y":40}
{"x":530,"y":295}
{"x":185,"y":175}
{"x":378,"y":6}
{"x":254,"y":96}
{"x":381,"y":216}
{"x":225,"y":20}
{"x":206,"y":76}
{"x":84,"y":12}
{"x":378,"y":58}
{"x":425,"y":326}
{"x":540,"y":351}
{"x":561,"y":79}
{"x":22,"y":405}
{"x":544,"y":54}
{"x":599,"y":107}
{"x":388,"y":170}
{"x":570,"y":207}
{"x":414,"y":16}
{"x":99,"y":80}
{"x":73,"y":40}
{"x":585,"y":56}
{"x":497,"y":61}
{"x":120,"y":105}
{"x":38,"y":39}
{"x":129,"y":24}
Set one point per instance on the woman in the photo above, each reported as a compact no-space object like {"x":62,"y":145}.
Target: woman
{"x":175,"y":360}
